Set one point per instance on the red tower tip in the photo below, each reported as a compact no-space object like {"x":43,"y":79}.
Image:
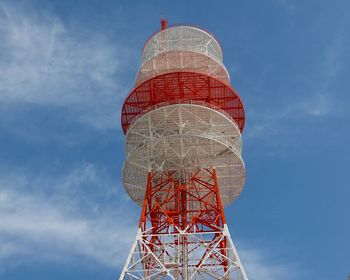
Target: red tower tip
{"x":163,"y":23}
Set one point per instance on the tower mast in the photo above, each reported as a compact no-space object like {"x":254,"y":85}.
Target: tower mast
{"x":183,"y":123}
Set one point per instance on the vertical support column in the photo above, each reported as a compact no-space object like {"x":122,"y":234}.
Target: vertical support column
{"x":184,"y":241}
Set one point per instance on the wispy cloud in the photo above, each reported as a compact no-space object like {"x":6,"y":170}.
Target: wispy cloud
{"x":44,"y":61}
{"x":314,"y":100}
{"x":261,"y":265}
{"x":54,"y":68}
{"x":288,"y":5}
{"x":264,"y":119}
{"x":320,"y":106}
{"x":64,"y":220}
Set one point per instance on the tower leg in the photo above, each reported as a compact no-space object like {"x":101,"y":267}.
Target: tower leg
{"x":182,"y":232}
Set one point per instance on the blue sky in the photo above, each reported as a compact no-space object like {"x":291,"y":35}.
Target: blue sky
{"x":65,"y":67}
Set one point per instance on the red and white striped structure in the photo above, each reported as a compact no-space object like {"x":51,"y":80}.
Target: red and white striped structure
{"x":183,"y":124}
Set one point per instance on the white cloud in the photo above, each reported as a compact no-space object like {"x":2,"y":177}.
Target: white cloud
{"x":44,"y":61}
{"x":262,"y":266}
{"x":324,"y":100}
{"x":288,"y":5}
{"x":320,"y":106}
{"x":312,"y":96}
{"x":67,"y":223}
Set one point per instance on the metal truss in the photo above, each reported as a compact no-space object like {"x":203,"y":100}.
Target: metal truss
{"x":181,"y":139}
{"x":182,"y":232}
{"x":182,"y":38}
{"x":182,"y":86}
{"x":184,"y":61}
{"x":183,"y":124}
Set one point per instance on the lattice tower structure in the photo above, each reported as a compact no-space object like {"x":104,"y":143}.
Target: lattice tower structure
{"x":183,"y":123}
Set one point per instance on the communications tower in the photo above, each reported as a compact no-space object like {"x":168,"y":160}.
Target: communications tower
{"x":183,"y":123}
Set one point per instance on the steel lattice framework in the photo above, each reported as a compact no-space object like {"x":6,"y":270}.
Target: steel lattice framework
{"x":183,"y":124}
{"x":182,"y":86}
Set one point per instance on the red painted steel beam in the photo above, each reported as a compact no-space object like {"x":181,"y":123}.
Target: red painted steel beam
{"x":168,"y":208}
{"x":186,"y":86}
